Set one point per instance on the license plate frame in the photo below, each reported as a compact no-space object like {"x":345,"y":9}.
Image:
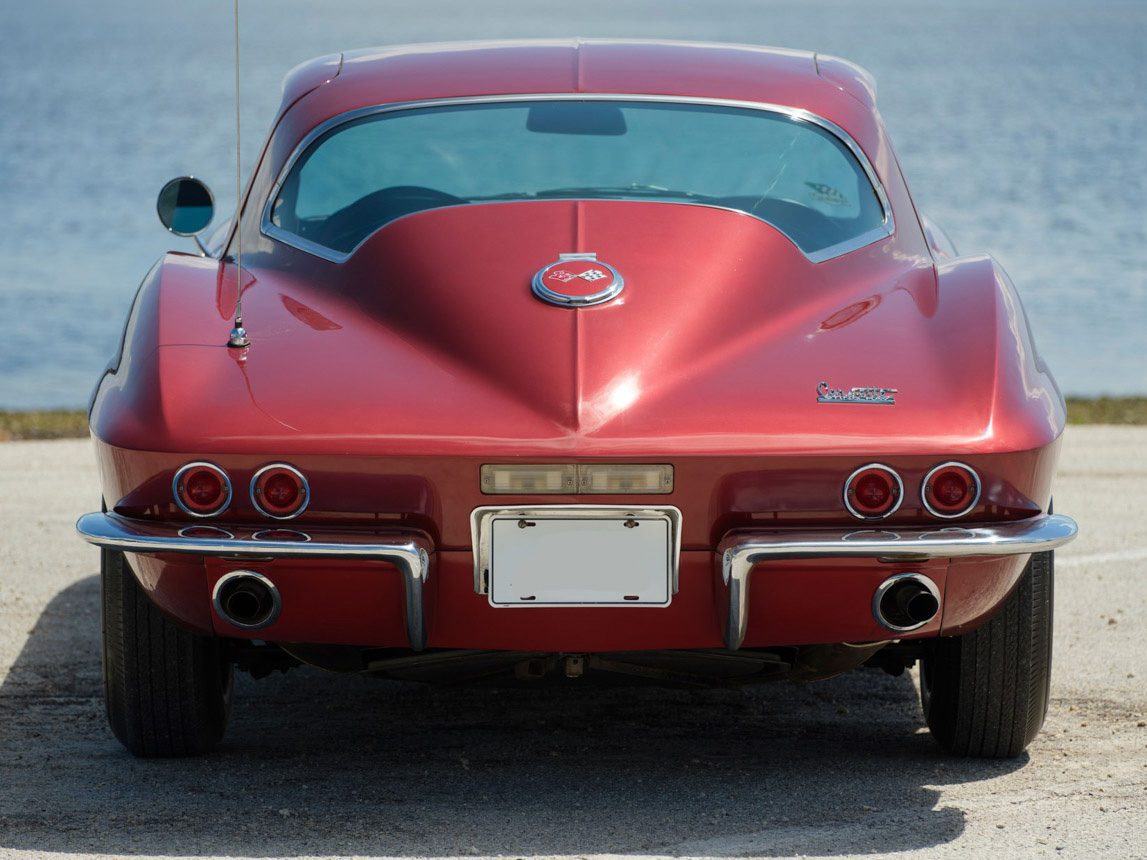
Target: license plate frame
{"x":577,"y":555}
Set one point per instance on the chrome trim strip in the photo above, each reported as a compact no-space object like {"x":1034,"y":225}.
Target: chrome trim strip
{"x":899,"y":498}
{"x":289,"y":468}
{"x":975,"y":501}
{"x":272,"y":231}
{"x":882,"y":589}
{"x":201,"y":464}
{"x":887,"y":228}
{"x":482,"y":519}
{"x":741,"y":551}
{"x":276,"y":599}
{"x":405,"y":552}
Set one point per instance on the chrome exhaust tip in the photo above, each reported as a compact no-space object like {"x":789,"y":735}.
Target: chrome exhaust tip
{"x":906,"y":602}
{"x":246,"y":599}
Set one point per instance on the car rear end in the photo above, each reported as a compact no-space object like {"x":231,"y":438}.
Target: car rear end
{"x":699,"y":552}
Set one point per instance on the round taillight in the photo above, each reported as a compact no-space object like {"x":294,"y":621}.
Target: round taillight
{"x":951,"y":490}
{"x":280,"y":491}
{"x":201,"y":489}
{"x":873,"y":492}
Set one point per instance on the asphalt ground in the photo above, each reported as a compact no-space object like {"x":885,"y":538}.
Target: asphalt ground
{"x":340,"y":766}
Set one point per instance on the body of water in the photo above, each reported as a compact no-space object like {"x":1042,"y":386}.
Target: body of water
{"x":1021,"y":126}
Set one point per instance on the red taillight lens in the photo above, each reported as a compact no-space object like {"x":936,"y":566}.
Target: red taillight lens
{"x":951,"y":490}
{"x":873,"y":492}
{"x":280,"y":491}
{"x":202,"y":489}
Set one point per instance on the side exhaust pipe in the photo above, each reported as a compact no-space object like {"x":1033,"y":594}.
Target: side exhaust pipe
{"x":905,"y":602}
{"x":246,"y":599}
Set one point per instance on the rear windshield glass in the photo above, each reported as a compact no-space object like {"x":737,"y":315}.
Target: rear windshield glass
{"x":364,"y":173}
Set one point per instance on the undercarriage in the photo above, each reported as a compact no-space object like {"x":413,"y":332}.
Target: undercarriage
{"x":687,"y":668}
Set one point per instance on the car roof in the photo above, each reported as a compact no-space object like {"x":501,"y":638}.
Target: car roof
{"x":828,"y":86}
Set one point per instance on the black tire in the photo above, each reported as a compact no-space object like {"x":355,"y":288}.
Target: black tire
{"x":985,"y":694}
{"x":168,"y":691}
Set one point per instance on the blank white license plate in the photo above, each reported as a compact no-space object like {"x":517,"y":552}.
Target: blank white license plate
{"x":581,"y":562}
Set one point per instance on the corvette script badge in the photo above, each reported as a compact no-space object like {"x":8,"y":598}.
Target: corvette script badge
{"x":577,"y":280}
{"x":873,"y":396}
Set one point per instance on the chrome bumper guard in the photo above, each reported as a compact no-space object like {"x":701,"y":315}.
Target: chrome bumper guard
{"x":405,"y":552}
{"x":740,"y":551}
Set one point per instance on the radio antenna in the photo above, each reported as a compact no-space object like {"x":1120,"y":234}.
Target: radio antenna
{"x":238,"y":338}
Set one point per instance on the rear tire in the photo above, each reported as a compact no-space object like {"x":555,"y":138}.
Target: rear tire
{"x":168,"y":691}
{"x":985,"y":694}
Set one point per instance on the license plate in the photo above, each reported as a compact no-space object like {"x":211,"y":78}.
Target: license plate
{"x":553,"y":560}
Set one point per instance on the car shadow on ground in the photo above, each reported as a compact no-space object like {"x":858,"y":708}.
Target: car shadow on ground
{"x":318,"y":764}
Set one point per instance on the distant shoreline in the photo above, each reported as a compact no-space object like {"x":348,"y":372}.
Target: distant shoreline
{"x":18,"y":425}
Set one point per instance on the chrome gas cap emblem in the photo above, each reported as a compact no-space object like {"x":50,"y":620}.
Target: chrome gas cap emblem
{"x":577,"y":281}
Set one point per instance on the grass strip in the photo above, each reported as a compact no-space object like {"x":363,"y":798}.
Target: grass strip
{"x":1107,"y":410}
{"x":43,"y":424}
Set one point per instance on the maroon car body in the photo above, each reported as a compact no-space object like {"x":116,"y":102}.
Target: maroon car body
{"x":764,"y":377}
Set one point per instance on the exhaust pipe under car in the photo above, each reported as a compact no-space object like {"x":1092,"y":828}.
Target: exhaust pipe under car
{"x":906,"y":601}
{"x":246,"y":599}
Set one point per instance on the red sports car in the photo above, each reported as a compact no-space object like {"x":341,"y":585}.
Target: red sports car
{"x":575,"y":357}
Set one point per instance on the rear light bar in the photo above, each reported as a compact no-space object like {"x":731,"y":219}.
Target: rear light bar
{"x":280,"y":491}
{"x":950,"y":490}
{"x":583,"y":479}
{"x":529,"y":480}
{"x":873,"y":492}
{"x":201,"y":489}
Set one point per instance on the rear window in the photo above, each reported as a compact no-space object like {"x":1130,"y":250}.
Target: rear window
{"x":787,"y":171}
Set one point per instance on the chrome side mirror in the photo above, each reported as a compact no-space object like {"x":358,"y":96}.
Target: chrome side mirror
{"x":185,"y":206}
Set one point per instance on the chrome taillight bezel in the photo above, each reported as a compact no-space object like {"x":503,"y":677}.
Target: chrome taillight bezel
{"x":967,"y":509}
{"x":898,"y":485}
{"x":201,"y":464}
{"x":255,"y":492}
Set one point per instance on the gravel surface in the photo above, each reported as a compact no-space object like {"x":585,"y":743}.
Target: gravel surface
{"x":335,"y":766}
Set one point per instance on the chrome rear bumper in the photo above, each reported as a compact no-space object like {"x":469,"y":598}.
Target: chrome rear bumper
{"x":740,"y":551}
{"x":409,"y":554}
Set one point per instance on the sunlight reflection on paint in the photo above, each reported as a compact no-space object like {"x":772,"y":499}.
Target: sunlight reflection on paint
{"x":618,"y":396}
{"x":624,"y":394}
